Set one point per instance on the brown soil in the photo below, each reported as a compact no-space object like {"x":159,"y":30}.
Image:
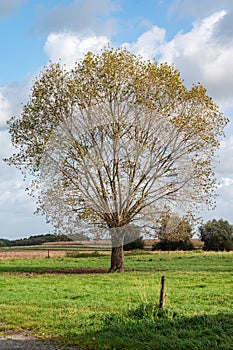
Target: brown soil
{"x":79,"y":271}
{"x":30,"y":254}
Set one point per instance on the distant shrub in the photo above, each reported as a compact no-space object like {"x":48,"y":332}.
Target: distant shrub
{"x":75,"y":254}
{"x":173,"y":245}
{"x":133,"y":239}
{"x":217,"y":235}
{"x":137,"y":244}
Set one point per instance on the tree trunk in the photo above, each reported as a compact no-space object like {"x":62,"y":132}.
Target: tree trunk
{"x":117,"y":256}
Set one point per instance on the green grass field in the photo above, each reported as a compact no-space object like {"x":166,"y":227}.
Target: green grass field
{"x":119,"y":311}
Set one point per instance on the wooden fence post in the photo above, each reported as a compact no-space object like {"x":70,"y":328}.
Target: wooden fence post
{"x":162,"y":293}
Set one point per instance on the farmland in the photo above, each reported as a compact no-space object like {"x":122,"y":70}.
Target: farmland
{"x":47,"y":298}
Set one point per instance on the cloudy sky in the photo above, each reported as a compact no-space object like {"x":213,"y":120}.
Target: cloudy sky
{"x":195,"y":35}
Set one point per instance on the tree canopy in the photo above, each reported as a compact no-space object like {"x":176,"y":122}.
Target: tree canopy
{"x":115,"y":140}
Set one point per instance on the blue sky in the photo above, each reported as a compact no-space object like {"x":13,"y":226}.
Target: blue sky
{"x":26,"y":34}
{"x":25,"y":25}
{"x":195,"y":35}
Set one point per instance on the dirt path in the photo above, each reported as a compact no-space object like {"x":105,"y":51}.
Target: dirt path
{"x":22,"y":342}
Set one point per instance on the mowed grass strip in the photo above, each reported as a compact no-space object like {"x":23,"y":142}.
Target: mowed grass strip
{"x":139,"y":261}
{"x":118,"y":311}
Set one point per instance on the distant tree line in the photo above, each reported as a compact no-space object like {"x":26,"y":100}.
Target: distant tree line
{"x":34,"y":240}
{"x":174,"y":234}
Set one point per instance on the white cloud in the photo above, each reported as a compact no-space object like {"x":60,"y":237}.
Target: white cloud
{"x":224,"y":173}
{"x":5,"y":109}
{"x":226,"y":181}
{"x":223,"y":209}
{"x":224,"y":167}
{"x":147,"y":44}
{"x":188,"y":44}
{"x":224,"y":203}
{"x":12,"y":97}
{"x":202,"y":57}
{"x":16,"y":207}
{"x":70,"y":47}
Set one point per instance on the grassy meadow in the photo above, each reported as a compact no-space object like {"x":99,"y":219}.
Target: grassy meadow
{"x":119,"y":311}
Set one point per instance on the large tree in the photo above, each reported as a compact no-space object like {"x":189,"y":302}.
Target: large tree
{"x":115,"y":140}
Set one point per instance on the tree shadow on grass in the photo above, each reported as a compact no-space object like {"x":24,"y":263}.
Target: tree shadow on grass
{"x":118,"y":331}
{"x":209,"y":332}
